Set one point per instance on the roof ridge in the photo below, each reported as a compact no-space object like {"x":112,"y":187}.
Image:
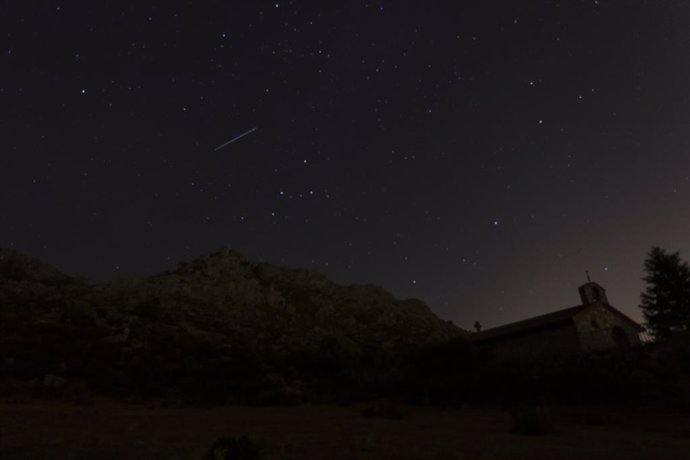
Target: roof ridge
{"x":534,"y":322}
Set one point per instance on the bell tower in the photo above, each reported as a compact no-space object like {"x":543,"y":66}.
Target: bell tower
{"x":592,"y":292}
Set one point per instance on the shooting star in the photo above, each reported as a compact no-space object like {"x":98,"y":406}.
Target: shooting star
{"x":235,"y":139}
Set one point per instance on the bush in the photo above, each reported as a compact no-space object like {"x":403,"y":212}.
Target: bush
{"x":592,"y":418}
{"x":226,"y":448}
{"x":532,"y":421}
{"x":78,"y":312}
{"x":455,"y":358}
{"x":385,"y":411}
{"x":149,"y":309}
{"x":443,"y":373}
{"x":331,"y":355}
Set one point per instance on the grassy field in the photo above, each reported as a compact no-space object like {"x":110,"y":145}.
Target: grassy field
{"x":108,"y":430}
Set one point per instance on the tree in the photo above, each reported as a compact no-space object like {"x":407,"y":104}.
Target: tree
{"x":666,"y":300}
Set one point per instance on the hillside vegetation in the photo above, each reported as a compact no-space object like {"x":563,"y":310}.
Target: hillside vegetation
{"x":218,"y":327}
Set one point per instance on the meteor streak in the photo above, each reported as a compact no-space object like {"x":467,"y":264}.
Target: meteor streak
{"x":235,"y":139}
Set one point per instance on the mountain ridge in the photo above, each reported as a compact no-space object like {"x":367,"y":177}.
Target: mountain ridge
{"x":214,"y":319}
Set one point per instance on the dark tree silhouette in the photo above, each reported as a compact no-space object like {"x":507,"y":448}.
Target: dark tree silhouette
{"x":666,"y":300}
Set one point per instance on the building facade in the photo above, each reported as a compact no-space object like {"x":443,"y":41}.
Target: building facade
{"x":593,"y":326}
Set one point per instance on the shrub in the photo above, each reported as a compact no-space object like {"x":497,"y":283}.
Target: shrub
{"x":532,"y":421}
{"x":442,"y":373}
{"x":384,"y":411}
{"x":331,"y":355}
{"x":78,"y":312}
{"x":226,"y":448}
{"x":149,"y":309}
{"x":592,"y":418}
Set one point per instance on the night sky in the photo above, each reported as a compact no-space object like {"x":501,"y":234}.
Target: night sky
{"x":477,"y":155}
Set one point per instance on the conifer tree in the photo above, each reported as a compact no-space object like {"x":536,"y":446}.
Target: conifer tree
{"x":666,"y":299}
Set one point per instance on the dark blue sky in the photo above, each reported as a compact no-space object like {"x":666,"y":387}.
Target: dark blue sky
{"x":477,"y":155}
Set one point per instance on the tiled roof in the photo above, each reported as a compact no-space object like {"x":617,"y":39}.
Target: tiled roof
{"x":538,"y":322}
{"x":556,"y":318}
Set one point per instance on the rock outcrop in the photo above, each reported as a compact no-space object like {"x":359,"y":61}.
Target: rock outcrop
{"x":219,"y":311}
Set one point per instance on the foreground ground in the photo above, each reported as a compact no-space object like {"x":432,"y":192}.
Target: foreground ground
{"x":110,"y":430}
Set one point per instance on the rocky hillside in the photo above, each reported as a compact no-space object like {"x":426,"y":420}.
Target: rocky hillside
{"x":32,"y":284}
{"x":218,"y":315}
